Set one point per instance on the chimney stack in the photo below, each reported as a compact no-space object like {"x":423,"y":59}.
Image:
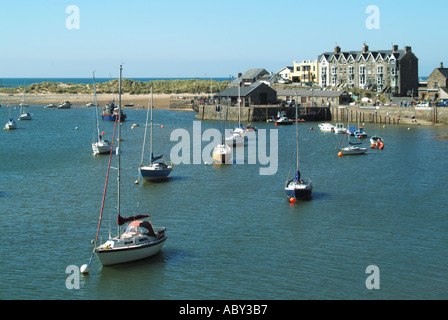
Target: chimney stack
{"x":365,"y":48}
{"x":394,"y":48}
{"x":441,"y":65}
{"x":337,"y":50}
{"x":407,"y":49}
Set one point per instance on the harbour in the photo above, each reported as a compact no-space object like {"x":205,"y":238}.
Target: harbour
{"x":232,"y":233}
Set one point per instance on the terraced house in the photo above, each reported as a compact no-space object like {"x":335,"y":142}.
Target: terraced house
{"x":394,"y":71}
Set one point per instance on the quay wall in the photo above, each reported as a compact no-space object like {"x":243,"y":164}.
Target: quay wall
{"x":260,"y":113}
{"x":390,"y":114}
{"x":383,"y":114}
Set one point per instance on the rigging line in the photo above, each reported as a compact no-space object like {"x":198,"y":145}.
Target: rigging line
{"x":105,"y":186}
{"x":104,"y":194}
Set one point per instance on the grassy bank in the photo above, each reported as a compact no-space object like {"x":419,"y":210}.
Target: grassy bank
{"x":194,"y":86}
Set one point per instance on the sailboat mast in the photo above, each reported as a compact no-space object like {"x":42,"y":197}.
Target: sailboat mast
{"x":146,"y":129}
{"x":96,"y":107}
{"x":297,"y":137}
{"x":239,"y":106}
{"x":150,"y":141}
{"x":118,"y":118}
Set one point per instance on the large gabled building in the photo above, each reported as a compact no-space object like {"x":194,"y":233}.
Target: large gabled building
{"x":394,"y":71}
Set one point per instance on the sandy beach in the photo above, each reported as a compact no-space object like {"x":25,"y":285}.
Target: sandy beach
{"x":161,"y":101}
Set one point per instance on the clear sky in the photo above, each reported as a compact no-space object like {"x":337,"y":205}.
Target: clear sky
{"x":213,"y":38}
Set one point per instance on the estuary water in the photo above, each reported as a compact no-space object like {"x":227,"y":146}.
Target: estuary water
{"x":232,"y":233}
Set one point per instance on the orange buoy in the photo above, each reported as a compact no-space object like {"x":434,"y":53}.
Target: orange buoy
{"x":292,"y":200}
{"x":311,"y":128}
{"x":276,"y":123}
{"x":162,"y":126}
{"x":340,"y":154}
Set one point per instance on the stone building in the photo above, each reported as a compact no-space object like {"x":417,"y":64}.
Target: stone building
{"x":394,"y":71}
{"x":437,"y":84}
{"x":256,"y":94}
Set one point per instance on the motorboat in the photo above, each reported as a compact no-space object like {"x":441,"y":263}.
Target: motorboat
{"x":64,"y":105}
{"x":360,"y":133}
{"x":340,"y":129}
{"x":376,"y":142}
{"x":327,"y":127}
{"x":283,"y":121}
{"x":110,"y":112}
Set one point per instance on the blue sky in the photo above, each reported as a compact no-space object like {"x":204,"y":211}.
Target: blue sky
{"x":217,"y":38}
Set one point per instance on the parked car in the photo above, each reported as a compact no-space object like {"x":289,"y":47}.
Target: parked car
{"x":443,"y":104}
{"x":423,"y":104}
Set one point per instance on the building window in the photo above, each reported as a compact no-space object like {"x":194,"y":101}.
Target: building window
{"x":436,"y":84}
{"x":334,"y":70}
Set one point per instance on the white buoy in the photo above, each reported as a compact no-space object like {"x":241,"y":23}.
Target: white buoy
{"x":85,"y":269}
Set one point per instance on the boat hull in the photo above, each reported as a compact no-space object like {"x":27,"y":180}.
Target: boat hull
{"x":222,"y":154}
{"x":10,"y":125}
{"x":101,"y":148}
{"x":128,"y":254}
{"x":112,"y":117}
{"x":235,"y":140}
{"x":299,"y":191}
{"x":150,"y":173}
{"x":25,"y":116}
{"x":284,"y":123}
{"x":353,"y":151}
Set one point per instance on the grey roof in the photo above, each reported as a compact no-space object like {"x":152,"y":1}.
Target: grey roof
{"x":443,"y":71}
{"x":244,"y":91}
{"x":398,"y":54}
{"x":254,"y":73}
{"x":309,"y":93}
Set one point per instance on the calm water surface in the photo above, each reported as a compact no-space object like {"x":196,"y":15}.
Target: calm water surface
{"x":232,"y":234}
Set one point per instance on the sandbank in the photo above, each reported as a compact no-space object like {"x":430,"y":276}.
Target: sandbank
{"x":161,"y":101}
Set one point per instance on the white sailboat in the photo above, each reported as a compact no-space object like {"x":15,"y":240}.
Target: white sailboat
{"x":24,"y":115}
{"x":139,"y":239}
{"x":298,"y":187}
{"x":11,"y":124}
{"x":100,"y":146}
{"x":156,"y":170}
{"x":236,"y":137}
{"x":222,"y":153}
{"x":352,"y":148}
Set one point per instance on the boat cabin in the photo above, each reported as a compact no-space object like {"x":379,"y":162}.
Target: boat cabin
{"x":142,"y":227}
